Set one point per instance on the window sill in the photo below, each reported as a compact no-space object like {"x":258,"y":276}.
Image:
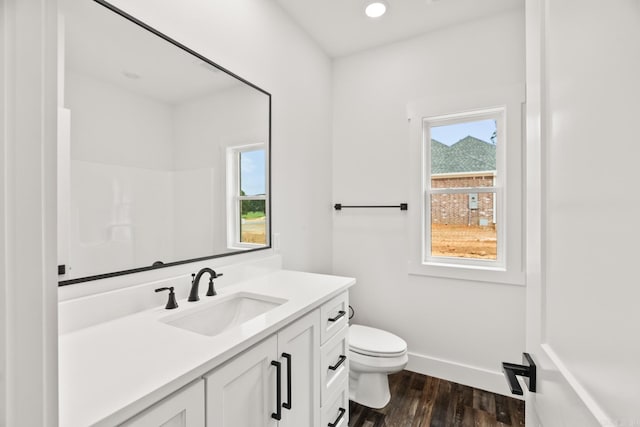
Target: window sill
{"x":468,"y":272}
{"x":246,"y":246}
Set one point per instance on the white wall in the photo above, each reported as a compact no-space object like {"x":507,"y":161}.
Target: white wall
{"x":460,"y":330}
{"x":257,"y":41}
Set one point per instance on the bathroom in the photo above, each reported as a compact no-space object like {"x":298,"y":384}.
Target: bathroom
{"x":327,"y":108}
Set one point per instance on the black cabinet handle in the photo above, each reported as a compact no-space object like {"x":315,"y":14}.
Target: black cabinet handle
{"x":341,"y":313}
{"x":278,"y":414}
{"x":287,"y":404}
{"x":339,"y":362}
{"x":526,"y":370}
{"x":341,"y":411}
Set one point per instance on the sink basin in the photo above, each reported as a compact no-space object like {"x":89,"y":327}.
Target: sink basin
{"x":224,"y":313}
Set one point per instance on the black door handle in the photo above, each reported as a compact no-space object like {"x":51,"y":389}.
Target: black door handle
{"x":341,"y":413}
{"x":526,"y":370}
{"x":339,"y":362}
{"x":335,"y":319}
{"x":287,"y":404}
{"x":278,"y":414}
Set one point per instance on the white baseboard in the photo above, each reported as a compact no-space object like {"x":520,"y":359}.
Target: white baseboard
{"x":460,"y":373}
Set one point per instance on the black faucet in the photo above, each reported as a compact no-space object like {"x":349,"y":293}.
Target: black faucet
{"x":193,"y":295}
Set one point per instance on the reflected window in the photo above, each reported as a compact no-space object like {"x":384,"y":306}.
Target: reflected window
{"x":248,"y":209}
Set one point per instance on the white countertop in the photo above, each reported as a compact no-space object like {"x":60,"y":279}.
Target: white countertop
{"x":113,"y":370}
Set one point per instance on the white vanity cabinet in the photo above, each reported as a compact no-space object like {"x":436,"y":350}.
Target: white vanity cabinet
{"x":228,"y":379}
{"x":297,"y":377}
{"x":184,"y":408}
{"x":244,"y":391}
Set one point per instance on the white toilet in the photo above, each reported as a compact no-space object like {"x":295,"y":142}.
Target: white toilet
{"x":373,"y":354}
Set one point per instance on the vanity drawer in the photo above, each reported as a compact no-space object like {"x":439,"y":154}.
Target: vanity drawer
{"x":334,"y":314}
{"x":337,"y":409}
{"x":334,"y":364}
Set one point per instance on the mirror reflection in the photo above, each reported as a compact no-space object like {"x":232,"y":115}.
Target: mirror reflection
{"x":163,"y":156}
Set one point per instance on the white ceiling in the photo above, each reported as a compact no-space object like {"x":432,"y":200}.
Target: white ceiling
{"x":102,"y":44}
{"x":341,"y":28}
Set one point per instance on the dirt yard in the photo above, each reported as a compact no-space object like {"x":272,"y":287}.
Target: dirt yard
{"x":254,"y":231}
{"x":447,"y":240}
{"x":464,"y":241}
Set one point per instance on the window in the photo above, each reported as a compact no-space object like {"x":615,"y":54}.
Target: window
{"x":462,"y":188}
{"x":466,"y":193}
{"x":247,"y":208}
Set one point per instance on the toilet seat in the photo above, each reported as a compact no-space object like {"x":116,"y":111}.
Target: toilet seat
{"x":374,"y":342}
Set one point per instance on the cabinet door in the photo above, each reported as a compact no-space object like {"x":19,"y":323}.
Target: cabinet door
{"x":241,"y":393}
{"x":299,"y":353}
{"x":184,"y":408}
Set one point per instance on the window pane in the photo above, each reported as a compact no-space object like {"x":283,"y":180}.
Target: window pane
{"x":464,"y":225}
{"x":464,"y":154}
{"x":252,"y":173}
{"x":253,"y":221}
{"x":463,"y":181}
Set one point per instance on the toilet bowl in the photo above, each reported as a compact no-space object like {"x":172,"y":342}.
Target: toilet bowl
{"x":373,"y":354}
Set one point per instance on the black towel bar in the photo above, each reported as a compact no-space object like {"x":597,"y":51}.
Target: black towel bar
{"x":402,"y":206}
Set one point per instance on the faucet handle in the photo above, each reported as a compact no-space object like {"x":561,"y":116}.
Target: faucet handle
{"x":211,"y":291}
{"x":193,"y":277}
{"x":171,"y":303}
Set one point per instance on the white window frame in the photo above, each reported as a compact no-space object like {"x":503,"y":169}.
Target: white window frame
{"x":506,"y":105}
{"x":496,"y":114}
{"x":234,"y":198}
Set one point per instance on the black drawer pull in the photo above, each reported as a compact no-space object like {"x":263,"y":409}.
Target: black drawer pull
{"x":287,"y":404}
{"x":341,"y":313}
{"x":339,"y":362}
{"x":341,"y":411}
{"x":278,"y":414}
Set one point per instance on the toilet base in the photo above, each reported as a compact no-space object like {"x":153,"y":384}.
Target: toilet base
{"x":369,"y":389}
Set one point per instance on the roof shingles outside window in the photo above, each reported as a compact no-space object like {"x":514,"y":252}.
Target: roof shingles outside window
{"x":467,"y":155}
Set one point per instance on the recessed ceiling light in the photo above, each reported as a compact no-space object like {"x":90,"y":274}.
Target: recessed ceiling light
{"x":375,"y":9}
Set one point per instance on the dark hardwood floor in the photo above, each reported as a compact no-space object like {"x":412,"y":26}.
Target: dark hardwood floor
{"x":422,"y":401}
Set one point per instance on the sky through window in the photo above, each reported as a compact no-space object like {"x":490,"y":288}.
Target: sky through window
{"x":450,"y":134}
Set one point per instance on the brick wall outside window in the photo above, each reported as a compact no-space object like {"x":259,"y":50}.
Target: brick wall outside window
{"x":454,"y":208}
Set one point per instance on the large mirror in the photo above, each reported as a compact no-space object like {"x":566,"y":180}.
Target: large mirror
{"x":163,"y":155}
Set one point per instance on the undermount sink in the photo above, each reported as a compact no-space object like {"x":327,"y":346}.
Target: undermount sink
{"x":223,"y":314}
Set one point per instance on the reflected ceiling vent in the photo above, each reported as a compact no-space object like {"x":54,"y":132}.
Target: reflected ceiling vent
{"x":130,"y":75}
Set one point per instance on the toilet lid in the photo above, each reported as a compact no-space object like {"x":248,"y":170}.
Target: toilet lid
{"x":375,"y":342}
